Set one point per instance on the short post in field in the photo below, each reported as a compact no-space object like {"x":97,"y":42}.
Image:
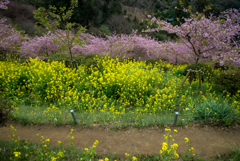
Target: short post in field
{"x":175,"y":118}
{"x":186,"y":77}
{"x":199,"y":73}
{"x":74,"y":117}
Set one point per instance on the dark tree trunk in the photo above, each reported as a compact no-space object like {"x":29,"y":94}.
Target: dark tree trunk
{"x":192,"y":74}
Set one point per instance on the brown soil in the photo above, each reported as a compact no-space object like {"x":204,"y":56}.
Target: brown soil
{"x":207,"y":141}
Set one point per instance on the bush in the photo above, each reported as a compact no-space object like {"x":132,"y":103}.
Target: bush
{"x":27,"y":26}
{"x":207,"y":71}
{"x":5,"y":109}
{"x":90,"y":62}
{"x":151,"y":62}
{"x":228,"y":81}
{"x":217,"y":113}
{"x":60,"y":57}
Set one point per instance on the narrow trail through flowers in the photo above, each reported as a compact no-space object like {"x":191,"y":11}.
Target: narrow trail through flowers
{"x":207,"y":141}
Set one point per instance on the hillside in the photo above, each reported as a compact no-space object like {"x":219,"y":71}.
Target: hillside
{"x":102,"y":17}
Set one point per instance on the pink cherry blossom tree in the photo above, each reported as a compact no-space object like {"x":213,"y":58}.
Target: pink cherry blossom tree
{"x":3,"y":4}
{"x":234,"y":15}
{"x":40,"y":47}
{"x":10,"y":39}
{"x":206,"y":38}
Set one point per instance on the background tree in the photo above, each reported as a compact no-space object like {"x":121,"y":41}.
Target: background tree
{"x":207,"y":38}
{"x":179,"y":13}
{"x":10,"y":39}
{"x":119,"y":24}
{"x":200,"y":5}
{"x":67,"y":37}
{"x":3,"y":4}
{"x":85,"y":13}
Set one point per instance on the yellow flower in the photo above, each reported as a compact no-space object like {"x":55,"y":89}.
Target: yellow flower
{"x":72,"y":137}
{"x":173,"y":140}
{"x":176,"y":156}
{"x":59,"y":142}
{"x":17,"y":154}
{"x":53,"y":159}
{"x":60,"y":154}
{"x":164,"y":148}
{"x":187,"y":140}
{"x":167,"y":129}
{"x":174,"y":146}
{"x":71,"y":130}
{"x":161,"y":152}
{"x":165,"y":136}
{"x":164,"y":144}
{"x":47,"y":140}
{"x":45,"y":145}
{"x":106,"y":159}
{"x":94,"y":146}
{"x":175,"y":130}
{"x":96,"y":142}
{"x":11,"y":127}
{"x":192,"y":149}
{"x":86,"y":149}
{"x":126,"y":154}
{"x":134,"y":158}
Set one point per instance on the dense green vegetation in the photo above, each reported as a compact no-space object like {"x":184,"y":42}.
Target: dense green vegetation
{"x":103,"y":16}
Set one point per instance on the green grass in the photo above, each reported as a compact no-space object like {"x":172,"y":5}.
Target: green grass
{"x":39,"y":115}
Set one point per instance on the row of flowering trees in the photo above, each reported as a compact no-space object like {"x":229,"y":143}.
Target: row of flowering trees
{"x":200,"y":39}
{"x":10,"y":39}
{"x":212,"y":38}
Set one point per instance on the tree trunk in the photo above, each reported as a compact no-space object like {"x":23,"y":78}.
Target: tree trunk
{"x":191,"y":78}
{"x":70,"y":52}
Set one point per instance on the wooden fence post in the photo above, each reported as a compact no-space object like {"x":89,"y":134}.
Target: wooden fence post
{"x":199,"y":74}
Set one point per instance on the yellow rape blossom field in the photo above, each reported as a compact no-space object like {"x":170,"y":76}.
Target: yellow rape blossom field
{"x":110,"y":92}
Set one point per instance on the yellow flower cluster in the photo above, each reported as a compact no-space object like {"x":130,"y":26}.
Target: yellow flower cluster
{"x":117,"y":88}
{"x":17,"y":154}
{"x":95,"y":144}
{"x":169,"y":151}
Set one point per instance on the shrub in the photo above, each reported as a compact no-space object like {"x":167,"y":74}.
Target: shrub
{"x":207,"y":71}
{"x":228,"y":81}
{"x":217,"y":65}
{"x":151,"y":62}
{"x":27,"y":26}
{"x":90,"y":62}
{"x":212,"y":112}
{"x":59,"y":57}
{"x":5,"y":109}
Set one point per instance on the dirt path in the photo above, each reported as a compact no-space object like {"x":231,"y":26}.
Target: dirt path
{"x":207,"y":140}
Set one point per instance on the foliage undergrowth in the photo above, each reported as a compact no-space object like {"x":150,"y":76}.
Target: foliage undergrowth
{"x":19,"y":149}
{"x":109,"y":92}
{"x":228,"y":81}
